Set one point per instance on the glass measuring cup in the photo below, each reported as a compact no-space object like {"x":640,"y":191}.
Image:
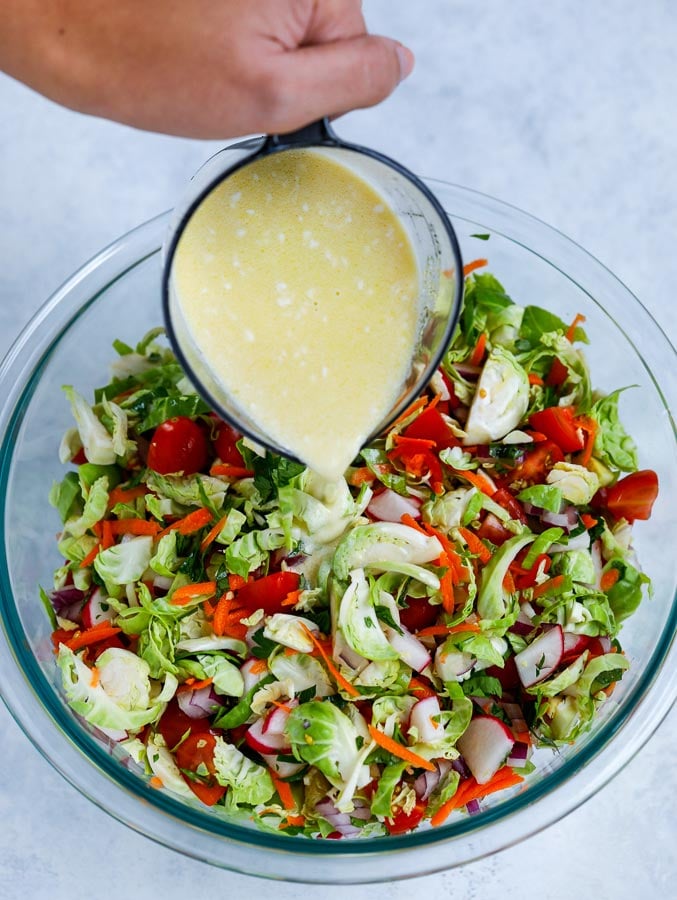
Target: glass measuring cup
{"x":430,"y":233}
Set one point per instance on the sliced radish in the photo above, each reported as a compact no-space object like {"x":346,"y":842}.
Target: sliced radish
{"x":389,"y":506}
{"x":573,"y":644}
{"x":422,"y":718}
{"x":281,"y":767}
{"x":271,"y":744}
{"x":540,"y":658}
{"x":97,"y":610}
{"x":276,"y":720}
{"x":410,"y":650}
{"x":251,"y":678}
{"x":485,"y":744}
{"x":450,"y":666}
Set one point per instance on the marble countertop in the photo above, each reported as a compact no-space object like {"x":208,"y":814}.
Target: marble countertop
{"x":563,"y":109}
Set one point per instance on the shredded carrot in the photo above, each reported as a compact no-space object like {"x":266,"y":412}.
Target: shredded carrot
{"x":228,"y":471}
{"x":227,"y":614}
{"x":409,"y":520}
{"x":609,"y":579}
{"x":208,"y":608}
{"x":194,"y":521}
{"x":447,"y":590}
{"x":449,"y":557}
{"x":552,"y":584}
{"x":571,"y":330}
{"x":410,"y":410}
{"x":476,"y":480}
{"x":126,"y":495}
{"x":411,"y":443}
{"x":398,"y":750}
{"x":433,"y":631}
{"x":107,"y":538}
{"x":95,"y":677}
{"x":588,"y":520}
{"x":292,"y":821}
{"x":524,"y":737}
{"x":420,"y":689}
{"x":188,"y":592}
{"x":535,"y":379}
{"x":235,"y":582}
{"x":156,"y":782}
{"x":290,"y":651}
{"x":470,"y":790}
{"x":213,"y":533}
{"x":131,"y":526}
{"x":343,"y":682}
{"x":475,"y":264}
{"x":509,"y":583}
{"x":465,"y":626}
{"x":292,"y":598}
{"x":92,"y":635}
{"x":589,"y":426}
{"x":477,"y":355}
{"x":260,"y":665}
{"x":284,"y":791}
{"x":475,"y":545}
{"x":198,"y":685}
{"x":91,"y":556}
{"x":361,"y":476}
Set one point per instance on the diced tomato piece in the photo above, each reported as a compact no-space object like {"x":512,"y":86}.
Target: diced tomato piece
{"x":419,"y":613}
{"x":559,"y":425}
{"x":510,"y":504}
{"x":174,"y":724}
{"x":536,"y":464}
{"x":430,"y":426}
{"x":402,"y":822}
{"x":267,"y":593}
{"x":558,"y":373}
{"x":97,"y":649}
{"x":630,"y":498}
{"x":79,"y":459}
{"x":492,"y":529}
{"x":195,"y":755}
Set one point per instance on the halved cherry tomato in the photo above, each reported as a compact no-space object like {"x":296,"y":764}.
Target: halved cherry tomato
{"x":174,"y":724}
{"x":536,"y":464}
{"x":492,"y":529}
{"x":194,"y":755}
{"x":178,"y":445}
{"x":402,"y":822}
{"x":419,"y":613}
{"x":267,"y":593}
{"x":559,"y":425}
{"x":510,"y":504}
{"x":430,"y":426}
{"x":558,"y":373}
{"x":630,"y":498}
{"x":225,"y":444}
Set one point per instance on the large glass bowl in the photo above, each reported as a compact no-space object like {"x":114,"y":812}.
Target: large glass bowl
{"x":117,"y":294}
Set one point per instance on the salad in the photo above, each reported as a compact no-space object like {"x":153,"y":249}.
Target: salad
{"x":353,"y":658}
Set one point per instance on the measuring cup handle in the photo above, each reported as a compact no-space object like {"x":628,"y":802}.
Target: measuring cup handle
{"x":319,"y":132}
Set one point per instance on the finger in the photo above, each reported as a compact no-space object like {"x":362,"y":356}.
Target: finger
{"x":331,"y":79}
{"x":335,"y":20}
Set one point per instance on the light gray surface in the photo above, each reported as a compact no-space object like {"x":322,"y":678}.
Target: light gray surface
{"x":563,"y":109}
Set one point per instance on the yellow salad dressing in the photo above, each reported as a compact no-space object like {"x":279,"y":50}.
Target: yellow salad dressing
{"x":299,"y":286}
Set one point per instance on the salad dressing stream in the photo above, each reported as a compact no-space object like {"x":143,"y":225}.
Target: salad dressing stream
{"x":299,"y":286}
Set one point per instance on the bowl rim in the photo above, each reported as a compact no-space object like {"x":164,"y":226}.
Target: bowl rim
{"x":48,"y":701}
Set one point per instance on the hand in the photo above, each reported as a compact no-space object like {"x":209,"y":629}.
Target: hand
{"x":201,"y":68}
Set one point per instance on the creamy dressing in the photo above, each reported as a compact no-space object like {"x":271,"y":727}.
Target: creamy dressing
{"x":299,"y":287}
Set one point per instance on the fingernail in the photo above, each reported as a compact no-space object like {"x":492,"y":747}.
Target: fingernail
{"x":406,"y":61}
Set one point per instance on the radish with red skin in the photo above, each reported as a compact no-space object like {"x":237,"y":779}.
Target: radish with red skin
{"x":250,"y":677}
{"x":541,"y":657}
{"x":485,"y":745}
{"x":276,"y":720}
{"x":97,"y":610}
{"x":281,"y":767}
{"x":271,"y":744}
{"x":423,"y":717}
{"x":389,"y":506}
{"x":411,"y":651}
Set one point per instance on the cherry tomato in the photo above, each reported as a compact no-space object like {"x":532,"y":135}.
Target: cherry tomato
{"x":225,"y":444}
{"x":430,"y":426}
{"x":630,"y":498}
{"x":194,"y":755}
{"x":419,"y":613}
{"x":178,"y":445}
{"x":402,"y":822}
{"x":174,"y":724}
{"x":267,"y":593}
{"x":510,"y":504}
{"x":536,"y":464}
{"x":492,"y":529}
{"x":559,"y":425}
